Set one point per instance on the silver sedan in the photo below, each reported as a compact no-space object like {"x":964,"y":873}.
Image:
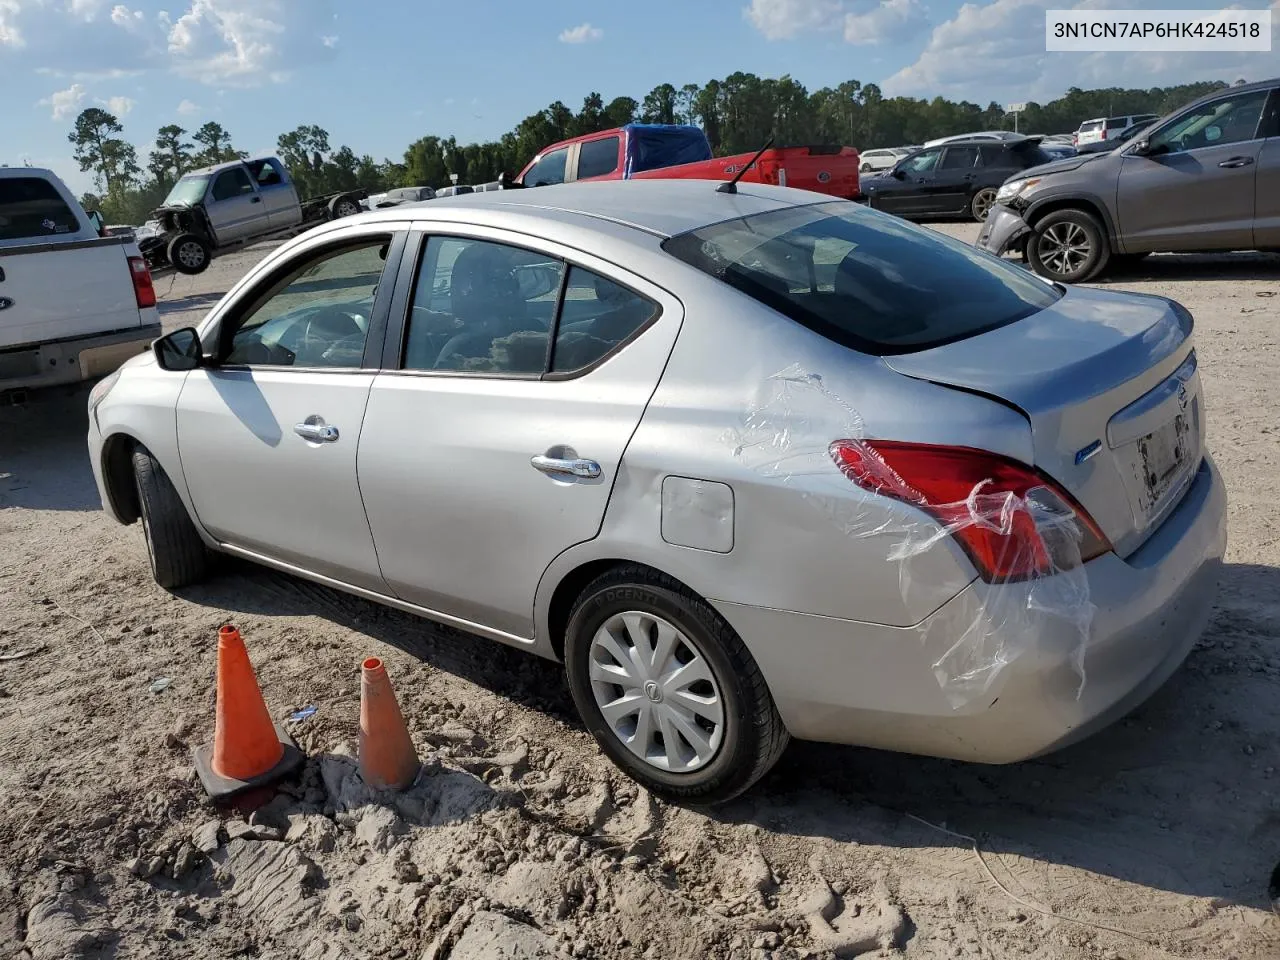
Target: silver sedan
{"x":754,"y":465}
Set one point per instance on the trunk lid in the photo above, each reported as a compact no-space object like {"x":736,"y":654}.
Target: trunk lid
{"x":61,"y":291}
{"x":1110,"y":386}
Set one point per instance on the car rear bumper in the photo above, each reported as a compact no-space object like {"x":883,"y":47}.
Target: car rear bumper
{"x":73,"y":360}
{"x":847,"y":682}
{"x":1002,"y":231}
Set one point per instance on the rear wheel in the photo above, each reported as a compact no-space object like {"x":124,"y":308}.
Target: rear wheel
{"x":178,"y":555}
{"x":1069,"y":246}
{"x":865,"y":168}
{"x":980,"y":203}
{"x":344,"y":206}
{"x":668,"y":690}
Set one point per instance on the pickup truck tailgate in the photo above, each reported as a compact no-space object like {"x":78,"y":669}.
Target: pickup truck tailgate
{"x":61,"y":291}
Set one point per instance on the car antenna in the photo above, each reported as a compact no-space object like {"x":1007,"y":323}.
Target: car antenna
{"x":731,"y":186}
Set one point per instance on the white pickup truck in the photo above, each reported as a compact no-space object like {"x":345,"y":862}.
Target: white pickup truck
{"x":74,"y":305}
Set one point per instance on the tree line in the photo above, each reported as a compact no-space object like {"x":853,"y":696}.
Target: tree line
{"x":738,"y":114}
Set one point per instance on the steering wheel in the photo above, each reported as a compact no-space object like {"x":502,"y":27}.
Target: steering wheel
{"x":320,"y":338}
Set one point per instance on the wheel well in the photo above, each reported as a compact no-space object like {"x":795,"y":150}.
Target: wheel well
{"x":1086,"y":206}
{"x":571,"y":587}
{"x":117,"y":475}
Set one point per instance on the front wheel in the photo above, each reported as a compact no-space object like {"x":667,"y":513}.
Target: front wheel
{"x":669,"y":691}
{"x":1069,"y":246}
{"x":980,"y":203}
{"x":865,"y":168}
{"x":178,"y":555}
{"x":189,"y":253}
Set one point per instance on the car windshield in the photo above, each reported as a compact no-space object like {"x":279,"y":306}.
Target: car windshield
{"x":187,"y":191}
{"x":864,"y":279}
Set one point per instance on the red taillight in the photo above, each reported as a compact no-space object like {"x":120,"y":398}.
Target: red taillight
{"x":1012,"y":521}
{"x":143,"y":290}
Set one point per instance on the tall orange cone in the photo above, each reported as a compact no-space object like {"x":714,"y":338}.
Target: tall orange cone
{"x":248,"y":750}
{"x":387,"y":758}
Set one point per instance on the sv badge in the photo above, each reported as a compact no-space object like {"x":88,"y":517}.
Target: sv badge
{"x":5,"y":303}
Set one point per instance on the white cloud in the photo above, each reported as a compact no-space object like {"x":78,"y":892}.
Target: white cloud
{"x":186,"y":108}
{"x":956,"y":61}
{"x":65,"y":102}
{"x":783,"y":19}
{"x":86,"y":10}
{"x":10,"y":35}
{"x":247,"y":42}
{"x":119,"y":106}
{"x":582,"y":33}
{"x":861,"y":22}
{"x":890,"y":21}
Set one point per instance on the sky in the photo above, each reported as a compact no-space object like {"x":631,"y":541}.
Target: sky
{"x":379,"y":74}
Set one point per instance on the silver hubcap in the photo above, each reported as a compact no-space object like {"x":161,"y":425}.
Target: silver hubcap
{"x":656,"y":692}
{"x":347,"y":209}
{"x":982,"y":201}
{"x":1064,"y":247}
{"x":190,"y":254}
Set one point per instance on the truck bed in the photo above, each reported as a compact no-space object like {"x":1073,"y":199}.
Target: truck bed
{"x":829,"y":170}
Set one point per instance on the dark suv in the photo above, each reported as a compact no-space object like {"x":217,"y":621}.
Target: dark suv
{"x":1206,"y":178}
{"x":959,"y":178}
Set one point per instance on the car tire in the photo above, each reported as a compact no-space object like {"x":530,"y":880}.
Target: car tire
{"x":981,"y":202}
{"x":189,"y":254}
{"x":343,"y":205}
{"x":865,"y":168}
{"x":1069,"y":246}
{"x":734,"y":751}
{"x":178,"y":555}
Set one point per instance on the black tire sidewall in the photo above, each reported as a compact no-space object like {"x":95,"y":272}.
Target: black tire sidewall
{"x":1097,"y":237}
{"x":177,"y":264}
{"x":733,"y":762}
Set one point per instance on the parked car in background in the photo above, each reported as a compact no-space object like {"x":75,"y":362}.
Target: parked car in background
{"x":980,"y":135}
{"x":455,"y":190}
{"x":226,"y":206}
{"x":1206,"y":177}
{"x":397,"y":196}
{"x":1108,"y":128}
{"x":1128,"y":133}
{"x":74,"y":304}
{"x":958,"y":179}
{"x":560,"y":374}
{"x":873,"y":161}
{"x":647,"y":151}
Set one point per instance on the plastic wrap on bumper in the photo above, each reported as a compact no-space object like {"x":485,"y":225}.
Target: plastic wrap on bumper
{"x":1034,"y":536}
{"x":1002,"y":231}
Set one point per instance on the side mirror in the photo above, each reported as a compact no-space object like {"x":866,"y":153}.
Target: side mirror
{"x":95,"y":217}
{"x":899,"y":174}
{"x":179,"y":350}
{"x":1142,"y":148}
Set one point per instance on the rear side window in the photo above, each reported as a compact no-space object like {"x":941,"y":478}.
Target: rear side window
{"x":30,"y":207}
{"x":864,"y":280}
{"x":597,"y":158}
{"x":959,"y":158}
{"x":596,"y":316}
{"x":1117,"y":122}
{"x":995,"y":156}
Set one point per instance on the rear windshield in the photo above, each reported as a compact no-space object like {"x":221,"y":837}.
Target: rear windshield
{"x":1091,"y":125}
{"x":30,"y":207}
{"x":864,"y":279}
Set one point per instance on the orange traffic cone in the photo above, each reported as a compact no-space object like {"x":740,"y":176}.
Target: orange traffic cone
{"x":387,"y":758}
{"x":248,"y":750}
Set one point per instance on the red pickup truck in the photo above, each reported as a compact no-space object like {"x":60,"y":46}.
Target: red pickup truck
{"x":671,"y":151}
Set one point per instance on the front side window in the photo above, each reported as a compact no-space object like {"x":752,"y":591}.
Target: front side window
{"x":596,"y":316}
{"x":231,"y":183}
{"x":30,"y":207}
{"x":548,"y":170}
{"x":318,"y":315}
{"x":921,"y":162}
{"x":862,"y":279}
{"x":482,"y":307}
{"x":597,"y":158}
{"x":960,"y":158}
{"x":1229,"y":120}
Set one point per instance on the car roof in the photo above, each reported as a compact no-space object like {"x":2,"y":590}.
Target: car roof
{"x":661,"y":208}
{"x":227,"y":165}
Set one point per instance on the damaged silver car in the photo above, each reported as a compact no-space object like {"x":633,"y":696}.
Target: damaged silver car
{"x":754,"y":465}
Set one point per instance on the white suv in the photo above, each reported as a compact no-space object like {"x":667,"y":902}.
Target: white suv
{"x":1107,"y":128}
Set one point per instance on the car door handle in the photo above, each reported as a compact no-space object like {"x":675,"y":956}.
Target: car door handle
{"x":255,"y":199}
{"x":1236,"y":162}
{"x":554,"y":466}
{"x":316,"y":432}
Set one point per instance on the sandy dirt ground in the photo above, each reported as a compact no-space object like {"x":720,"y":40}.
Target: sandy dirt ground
{"x":1152,"y":840}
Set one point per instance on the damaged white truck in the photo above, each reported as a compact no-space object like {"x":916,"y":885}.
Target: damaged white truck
{"x":74,"y":305}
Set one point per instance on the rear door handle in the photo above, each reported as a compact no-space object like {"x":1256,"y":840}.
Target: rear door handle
{"x":1236,"y":162}
{"x":315,"y":430}
{"x":255,"y":199}
{"x":554,"y":466}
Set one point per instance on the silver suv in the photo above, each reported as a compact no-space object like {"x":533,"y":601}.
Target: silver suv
{"x":1205,"y":178}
